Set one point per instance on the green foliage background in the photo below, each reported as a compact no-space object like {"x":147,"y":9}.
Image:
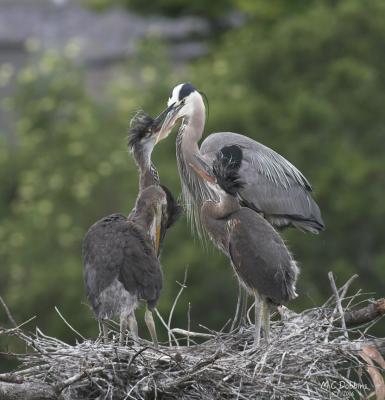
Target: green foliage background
{"x":307,"y":81}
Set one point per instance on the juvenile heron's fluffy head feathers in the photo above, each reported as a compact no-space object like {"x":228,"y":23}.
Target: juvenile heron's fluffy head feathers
{"x":140,"y":130}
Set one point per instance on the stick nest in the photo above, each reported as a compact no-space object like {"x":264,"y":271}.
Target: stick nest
{"x":310,"y":356}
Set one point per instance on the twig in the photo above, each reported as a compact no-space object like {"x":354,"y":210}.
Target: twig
{"x":343,"y":289}
{"x":192,"y":334}
{"x":365,"y":314}
{"x":169,"y":331}
{"x":75,"y":378}
{"x":182,"y":287}
{"x":188,"y":324}
{"x":132,"y":359}
{"x":237,"y":309}
{"x":69,"y":325}
{"x":346,"y":286}
{"x":338,"y":302}
{"x":9,"y":315}
{"x":16,"y":330}
{"x":248,"y":313}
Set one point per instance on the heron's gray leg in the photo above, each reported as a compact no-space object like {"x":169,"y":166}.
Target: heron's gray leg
{"x":266,"y":319}
{"x":239,"y":300}
{"x":123,"y":328}
{"x":103,"y":329}
{"x":243,"y":319}
{"x":258,"y":318}
{"x":149,"y":319}
{"x":105,"y":332}
{"x":133,"y":325}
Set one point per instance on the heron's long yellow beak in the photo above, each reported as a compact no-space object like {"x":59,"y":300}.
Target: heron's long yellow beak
{"x":202,"y":173}
{"x":157,"y":239}
{"x":165,"y":121}
{"x":156,"y":228}
{"x":160,"y":136}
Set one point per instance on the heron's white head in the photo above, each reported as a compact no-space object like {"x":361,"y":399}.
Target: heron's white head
{"x":183,"y":102}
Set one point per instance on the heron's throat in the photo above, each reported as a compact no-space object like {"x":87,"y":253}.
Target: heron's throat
{"x":194,"y":189}
{"x":223,"y":209}
{"x":148,"y":174}
{"x":155,"y":231}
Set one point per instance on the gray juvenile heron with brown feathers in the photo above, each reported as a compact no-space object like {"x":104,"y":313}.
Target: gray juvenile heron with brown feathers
{"x":272,"y":186}
{"x":120,"y":254}
{"x":259,"y":257}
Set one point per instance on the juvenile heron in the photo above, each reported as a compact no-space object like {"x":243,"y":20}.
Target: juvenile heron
{"x":120,"y":254}
{"x":259,"y":257}
{"x":273,"y":187}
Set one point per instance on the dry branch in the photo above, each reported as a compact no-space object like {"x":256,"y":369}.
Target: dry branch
{"x":297,"y":363}
{"x":27,"y":391}
{"x":365,"y":314}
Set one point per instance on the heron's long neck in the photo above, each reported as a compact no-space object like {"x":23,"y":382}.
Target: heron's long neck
{"x":148,"y":177}
{"x":215,"y":217}
{"x":187,"y":141}
{"x":191,"y":133}
{"x":222,"y":209}
{"x":194,"y":190}
{"x":148,"y":174}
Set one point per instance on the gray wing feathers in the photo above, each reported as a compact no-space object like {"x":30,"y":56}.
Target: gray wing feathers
{"x":272,"y":185}
{"x":117,"y":249}
{"x":280,"y":206}
{"x":266,"y":265}
{"x":262,"y":159}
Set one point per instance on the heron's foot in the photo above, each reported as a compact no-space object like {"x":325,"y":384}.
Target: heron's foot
{"x":136,"y":343}
{"x":241,"y":327}
{"x":103,"y":331}
{"x":122,"y":338}
{"x":266,"y":339}
{"x":257,"y":340}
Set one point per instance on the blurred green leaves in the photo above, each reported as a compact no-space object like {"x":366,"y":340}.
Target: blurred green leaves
{"x":173,"y":8}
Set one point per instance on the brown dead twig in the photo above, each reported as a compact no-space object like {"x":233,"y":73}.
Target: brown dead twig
{"x":309,"y":356}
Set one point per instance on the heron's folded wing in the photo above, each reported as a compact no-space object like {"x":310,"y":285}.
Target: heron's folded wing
{"x":260,"y":257}
{"x":140,"y":271}
{"x":116,"y":249}
{"x":272,"y":185}
{"x":103,"y":253}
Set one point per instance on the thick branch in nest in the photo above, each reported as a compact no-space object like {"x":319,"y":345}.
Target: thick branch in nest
{"x":365,"y":314}
{"x":27,"y":391}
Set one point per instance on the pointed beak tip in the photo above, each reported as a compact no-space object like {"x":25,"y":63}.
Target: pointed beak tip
{"x":165,"y":122}
{"x":158,"y":139}
{"x":160,"y":136}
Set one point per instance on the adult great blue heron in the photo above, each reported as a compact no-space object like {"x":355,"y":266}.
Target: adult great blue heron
{"x":257,"y":253}
{"x":272,"y":187}
{"x":120,"y":254}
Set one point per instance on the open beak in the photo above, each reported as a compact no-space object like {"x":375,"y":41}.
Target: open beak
{"x":203,"y":170}
{"x":165,"y":121}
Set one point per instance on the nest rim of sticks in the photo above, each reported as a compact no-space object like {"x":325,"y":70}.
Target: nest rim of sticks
{"x":312,"y":355}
